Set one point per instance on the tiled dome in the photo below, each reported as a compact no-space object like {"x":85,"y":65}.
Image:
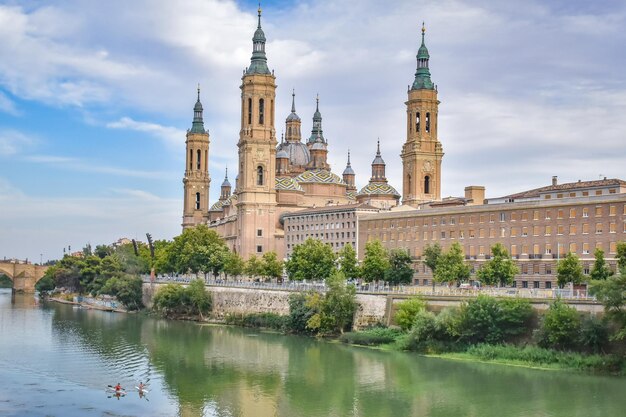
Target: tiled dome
{"x":287,"y":184}
{"x":320,"y":176}
{"x":379,"y":189}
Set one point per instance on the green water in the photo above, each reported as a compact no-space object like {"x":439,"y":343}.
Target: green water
{"x":56,"y":360}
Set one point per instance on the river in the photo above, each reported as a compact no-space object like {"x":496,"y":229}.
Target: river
{"x":57,"y":360}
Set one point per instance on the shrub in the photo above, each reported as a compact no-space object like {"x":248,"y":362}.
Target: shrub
{"x":175,"y":300}
{"x":423,"y":332}
{"x":516,"y":316}
{"x":299,"y":314}
{"x":594,"y":334}
{"x":371,"y":337}
{"x":448,"y":323}
{"x":407,"y":311}
{"x":45,"y":284}
{"x":559,"y":327}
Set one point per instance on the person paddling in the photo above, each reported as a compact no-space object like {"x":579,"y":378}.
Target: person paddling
{"x":141,"y":386}
{"x":118,"y":387}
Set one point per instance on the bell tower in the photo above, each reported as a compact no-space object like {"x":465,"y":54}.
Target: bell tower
{"x":256,"y":206}
{"x":197,"y":180}
{"x":422,"y":152}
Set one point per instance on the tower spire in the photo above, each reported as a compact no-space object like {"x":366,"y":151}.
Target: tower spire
{"x":317,"y":124}
{"x":258,"y":63}
{"x":198,"y":123}
{"x":422,"y":73}
{"x":293,"y":100}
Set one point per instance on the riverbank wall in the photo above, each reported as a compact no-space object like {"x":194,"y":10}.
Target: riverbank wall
{"x":372,"y":308}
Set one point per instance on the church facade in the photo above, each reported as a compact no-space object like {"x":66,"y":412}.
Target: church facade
{"x":274,"y":178}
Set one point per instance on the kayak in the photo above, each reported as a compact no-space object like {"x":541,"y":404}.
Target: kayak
{"x":115,"y":391}
{"x":142,"y":390}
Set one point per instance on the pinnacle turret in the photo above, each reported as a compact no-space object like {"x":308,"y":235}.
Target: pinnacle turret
{"x":198,"y":123}
{"x":317,"y":124}
{"x":258,"y":63}
{"x":422,"y":73}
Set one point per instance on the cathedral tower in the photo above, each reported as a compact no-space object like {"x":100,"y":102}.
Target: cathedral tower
{"x":256,"y":206}
{"x":422,"y":151}
{"x":196,"y":181}
{"x":349,"y":176}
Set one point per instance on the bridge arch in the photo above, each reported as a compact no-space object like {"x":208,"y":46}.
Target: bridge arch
{"x":23,"y":275}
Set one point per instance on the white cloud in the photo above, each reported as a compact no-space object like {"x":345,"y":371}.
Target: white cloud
{"x":172,"y":136}
{"x":7,"y":105}
{"x":13,"y":142}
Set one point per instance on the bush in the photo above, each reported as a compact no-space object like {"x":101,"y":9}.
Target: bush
{"x":176,"y":300}
{"x":407,"y":311}
{"x":423,"y":332}
{"x":45,"y":284}
{"x":127,"y":289}
{"x":560,"y":327}
{"x":516,"y":316}
{"x":371,"y":337}
{"x":299,"y":314}
{"x":594,"y":334}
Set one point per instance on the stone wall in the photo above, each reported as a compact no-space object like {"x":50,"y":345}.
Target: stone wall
{"x":227,"y":300}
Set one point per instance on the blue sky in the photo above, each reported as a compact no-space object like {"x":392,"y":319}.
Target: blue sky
{"x":95,"y":98}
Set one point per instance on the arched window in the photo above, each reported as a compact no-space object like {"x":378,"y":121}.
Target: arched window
{"x":197,"y":201}
{"x":417,"y":121}
{"x":408,"y":177}
{"x":206,"y":160}
{"x":427,"y":184}
{"x":249,"y":111}
{"x":428,"y":122}
{"x":190,"y":158}
{"x":410,"y":123}
{"x":198,"y":159}
{"x":289,"y":131}
{"x":259,"y":175}
{"x":261,"y":111}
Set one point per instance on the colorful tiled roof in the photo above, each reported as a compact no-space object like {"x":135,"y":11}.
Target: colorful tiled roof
{"x":319,"y":176}
{"x":379,"y":189}
{"x":287,"y":184}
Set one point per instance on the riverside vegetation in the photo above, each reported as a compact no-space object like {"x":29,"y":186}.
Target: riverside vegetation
{"x":485,"y":328}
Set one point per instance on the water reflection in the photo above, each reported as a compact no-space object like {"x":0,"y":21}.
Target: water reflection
{"x":223,"y":371}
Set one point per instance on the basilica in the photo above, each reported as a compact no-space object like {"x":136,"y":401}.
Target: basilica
{"x":278,"y":177}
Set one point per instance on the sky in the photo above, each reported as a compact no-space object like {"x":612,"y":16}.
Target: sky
{"x":96,"y":97}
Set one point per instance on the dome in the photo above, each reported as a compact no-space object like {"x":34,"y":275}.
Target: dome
{"x":217,"y":206}
{"x":282,"y":154}
{"x":226,"y":183}
{"x":351,"y":195}
{"x":293,"y":117}
{"x":379,"y":189}
{"x":287,"y":184}
{"x":348,"y":171}
{"x":297,"y":152}
{"x":319,"y":146}
{"x":319,"y":176}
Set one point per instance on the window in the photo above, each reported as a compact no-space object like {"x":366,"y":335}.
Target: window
{"x":426,"y":184}
{"x":261,"y":111}
{"x":585,"y":193}
{"x":560,"y":195}
{"x":536,"y":215}
{"x":548,"y":248}
{"x":536,"y":249}
{"x":548,"y":285}
{"x":259,"y":248}
{"x":536,"y":284}
{"x":259,"y":232}
{"x":612,"y":191}
{"x":524,"y":231}
{"x":572,"y":247}
{"x":417,"y":121}
{"x":585,"y":228}
{"x":612,"y":227}
{"x":585,"y":212}
{"x":481,"y":218}
{"x":513,"y":231}
{"x":548,"y":270}
{"x":548,"y":215}
{"x":427,"y":122}
{"x":612,"y":211}
{"x":503,"y":216}
{"x":535,"y":230}
{"x":598,"y":192}
{"x":598,"y":211}
{"x":190,"y":158}
{"x":572,"y":194}
{"x":548,"y":230}
{"x":492,"y":218}
{"x":481,"y":233}
{"x":598,"y":228}
{"x":560,"y":229}
{"x":249,"y":111}
{"x":471,"y":234}
{"x":612,"y":247}
{"x":513,"y":216}
{"x":502,"y":232}
{"x":524,"y":284}
{"x":259,"y":175}
{"x":198,"y":158}
{"x":572,"y":229}
{"x":572,"y":213}
{"x":586,"y":248}
{"x":524,"y":216}
{"x":559,"y":214}
{"x":492,"y":233}
{"x":548,"y":196}
{"x":197,"y":201}
{"x":513,"y":250}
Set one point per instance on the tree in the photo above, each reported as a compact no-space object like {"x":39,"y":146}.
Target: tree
{"x":612,"y":294}
{"x":407,"y":312}
{"x":271,"y":266}
{"x":333,"y":312}
{"x":253,"y":266}
{"x":451,"y":266}
{"x":311,"y":260}
{"x":621,"y":255}
{"x":45,"y":284}
{"x":432,"y":253}
{"x":199,"y":298}
{"x":560,"y":327}
{"x":375,"y":262}
{"x":102,"y":251}
{"x":500,"y":269}
{"x":127,"y":289}
{"x":348,"y":262}
{"x":198,"y":249}
{"x":234,"y":264}
{"x":569,"y":269}
{"x":400,"y":267}
{"x":600,"y":269}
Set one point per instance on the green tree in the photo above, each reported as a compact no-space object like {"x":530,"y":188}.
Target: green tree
{"x":102,"y":251}
{"x":334,"y":311}
{"x":200,"y":301}
{"x":500,"y":269}
{"x":234,"y":264}
{"x":198,"y":249}
{"x":253,"y":267}
{"x":162,"y":262}
{"x":600,"y":269}
{"x":45,"y":284}
{"x":407,"y":311}
{"x":126,"y":289}
{"x":569,"y":269}
{"x":432,"y":253}
{"x":271,"y":266}
{"x":400,"y":269}
{"x":621,"y":255}
{"x":612,"y":294}
{"x":451,"y":266}
{"x":311,"y":260}
{"x":348,"y":262}
{"x":560,"y":327}
{"x":375,"y":262}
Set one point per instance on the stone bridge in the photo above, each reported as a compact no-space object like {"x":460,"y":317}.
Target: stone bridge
{"x":24,"y":275}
